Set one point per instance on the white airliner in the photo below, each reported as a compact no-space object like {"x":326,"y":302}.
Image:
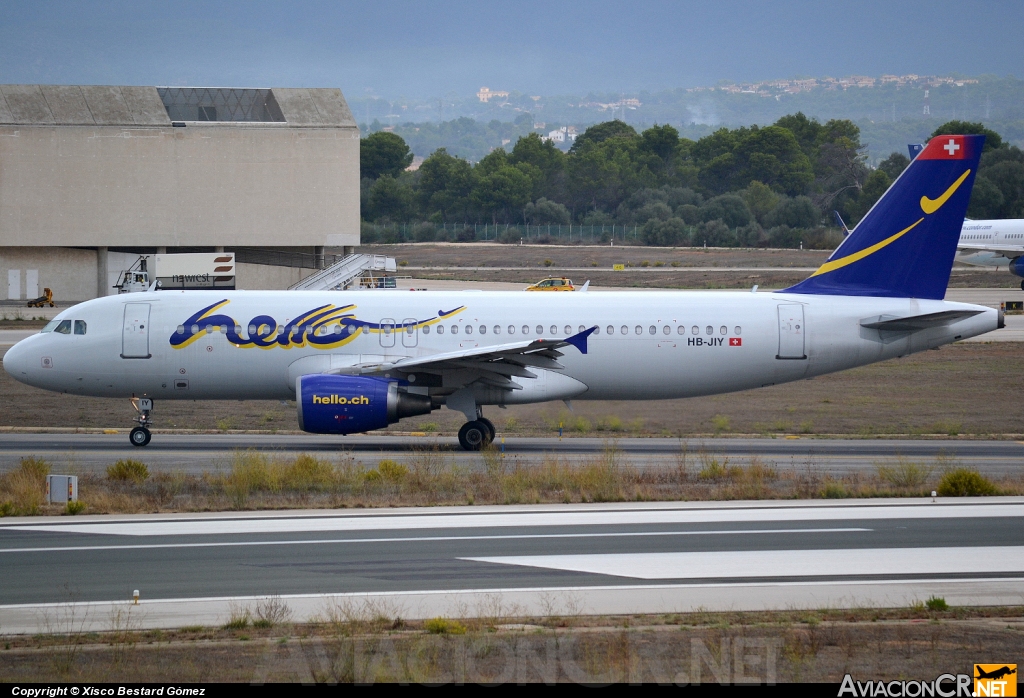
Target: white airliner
{"x":995,"y":243}
{"x":358,"y":361}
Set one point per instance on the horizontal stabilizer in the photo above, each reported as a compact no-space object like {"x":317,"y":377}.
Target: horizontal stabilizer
{"x":914,"y":323}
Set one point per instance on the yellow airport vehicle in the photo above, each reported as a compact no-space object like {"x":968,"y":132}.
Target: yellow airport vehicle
{"x":46,"y":298}
{"x":559,"y":284}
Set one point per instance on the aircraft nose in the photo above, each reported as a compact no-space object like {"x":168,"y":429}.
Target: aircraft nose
{"x":16,"y":361}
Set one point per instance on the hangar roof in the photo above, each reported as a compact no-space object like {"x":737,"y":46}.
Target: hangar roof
{"x":107,"y":105}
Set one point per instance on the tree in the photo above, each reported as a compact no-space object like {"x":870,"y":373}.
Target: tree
{"x":504,"y":189}
{"x":1008,"y":177}
{"x":986,"y":199}
{"x":599,"y":133}
{"x":602,"y":175}
{"x":798,"y":212}
{"x":714,"y":234}
{"x":894,"y":165}
{"x":774,"y":157}
{"x":993,"y":141}
{"x":728,"y":208}
{"x":444,"y":184}
{"x":544,"y":212}
{"x":876,"y":185}
{"x":761,"y":200}
{"x":538,"y":152}
{"x":666,"y":233}
{"x":383,"y":153}
{"x":389,"y":198}
{"x":662,"y":141}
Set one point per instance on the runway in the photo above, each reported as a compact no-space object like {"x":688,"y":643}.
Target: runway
{"x":198,"y":453}
{"x":528,"y":560}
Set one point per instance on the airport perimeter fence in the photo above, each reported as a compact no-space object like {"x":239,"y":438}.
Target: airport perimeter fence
{"x":502,"y":232}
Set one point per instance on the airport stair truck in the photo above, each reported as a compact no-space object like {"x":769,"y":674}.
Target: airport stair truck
{"x":352,"y":272}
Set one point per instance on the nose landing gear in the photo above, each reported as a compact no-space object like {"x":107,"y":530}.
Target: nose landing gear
{"x":140,"y":436}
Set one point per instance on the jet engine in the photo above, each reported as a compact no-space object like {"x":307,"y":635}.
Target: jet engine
{"x":1017,"y":266}
{"x":331,"y":404}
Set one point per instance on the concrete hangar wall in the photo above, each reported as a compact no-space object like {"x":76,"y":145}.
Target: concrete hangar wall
{"x":91,"y":176}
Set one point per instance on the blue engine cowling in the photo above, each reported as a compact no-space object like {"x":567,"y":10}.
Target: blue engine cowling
{"x":329,"y":404}
{"x":1017,"y":266}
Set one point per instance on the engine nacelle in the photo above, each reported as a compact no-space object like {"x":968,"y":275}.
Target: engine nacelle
{"x":332,"y":404}
{"x":1017,"y":266}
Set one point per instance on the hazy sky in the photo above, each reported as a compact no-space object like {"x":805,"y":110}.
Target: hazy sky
{"x":422,"y":49}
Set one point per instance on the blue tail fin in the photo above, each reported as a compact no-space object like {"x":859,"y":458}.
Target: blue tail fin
{"x":904,"y":246}
{"x":915,"y":149}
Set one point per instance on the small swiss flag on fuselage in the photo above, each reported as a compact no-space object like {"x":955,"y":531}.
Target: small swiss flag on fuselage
{"x":735,"y":342}
{"x":945,"y":148}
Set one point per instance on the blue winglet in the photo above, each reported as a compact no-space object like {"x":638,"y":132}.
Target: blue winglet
{"x":579,"y":340}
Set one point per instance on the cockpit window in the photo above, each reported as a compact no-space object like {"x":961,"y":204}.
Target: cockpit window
{"x":50,"y":326}
{"x":64,"y":327}
{"x":79,"y":326}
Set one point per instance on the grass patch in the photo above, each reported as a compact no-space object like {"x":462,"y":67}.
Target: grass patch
{"x":128,"y":470}
{"x":74,"y":508}
{"x":964,"y":482}
{"x":444,"y":626}
{"x":904,"y":474}
{"x":720,"y":423}
{"x":23,"y":490}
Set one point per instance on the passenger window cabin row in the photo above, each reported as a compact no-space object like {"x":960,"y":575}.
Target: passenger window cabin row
{"x":568,"y":329}
{"x":553,"y":330}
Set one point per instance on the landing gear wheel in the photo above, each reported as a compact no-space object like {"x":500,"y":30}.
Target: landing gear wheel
{"x":490,"y":427}
{"x":1022,"y":285}
{"x":140,"y":436}
{"x":473,"y":436}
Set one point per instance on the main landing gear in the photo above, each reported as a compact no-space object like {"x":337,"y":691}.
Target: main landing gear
{"x":476,"y":434}
{"x":140,"y":435}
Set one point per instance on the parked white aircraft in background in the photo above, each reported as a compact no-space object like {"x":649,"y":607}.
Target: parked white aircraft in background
{"x":994,"y":243}
{"x":359,"y":361}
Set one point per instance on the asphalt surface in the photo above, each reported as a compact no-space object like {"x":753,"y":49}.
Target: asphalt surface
{"x":658,"y":557}
{"x":198,"y":453}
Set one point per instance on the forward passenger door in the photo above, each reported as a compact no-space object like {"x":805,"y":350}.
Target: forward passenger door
{"x":135,"y":335}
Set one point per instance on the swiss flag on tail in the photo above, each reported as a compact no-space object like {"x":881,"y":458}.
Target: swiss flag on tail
{"x":735,"y":342}
{"x":946,"y":148}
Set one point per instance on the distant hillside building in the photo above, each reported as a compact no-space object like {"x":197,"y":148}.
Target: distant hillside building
{"x":485,"y":94}
{"x":92,"y":176}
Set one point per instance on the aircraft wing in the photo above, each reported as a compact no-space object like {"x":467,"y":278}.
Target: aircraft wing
{"x":1008,"y":251}
{"x":495,"y":364}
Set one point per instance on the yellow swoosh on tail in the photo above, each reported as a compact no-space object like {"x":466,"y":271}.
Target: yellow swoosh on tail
{"x":933,"y":205}
{"x":850,"y":259}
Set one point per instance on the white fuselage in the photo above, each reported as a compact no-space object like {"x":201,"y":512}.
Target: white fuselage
{"x":650,"y":345}
{"x":990,"y":243}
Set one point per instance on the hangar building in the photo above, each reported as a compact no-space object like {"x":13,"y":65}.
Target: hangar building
{"x":93,"y":176}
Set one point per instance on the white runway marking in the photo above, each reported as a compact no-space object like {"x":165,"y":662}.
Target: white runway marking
{"x":416,"y":539}
{"x":179,"y":527}
{"x":780,"y":563}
